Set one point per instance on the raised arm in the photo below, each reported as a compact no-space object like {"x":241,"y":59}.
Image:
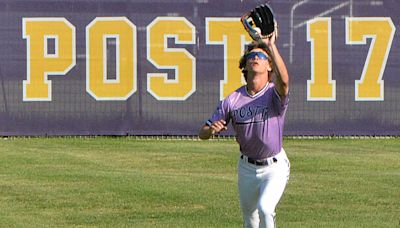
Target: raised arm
{"x":280,"y":70}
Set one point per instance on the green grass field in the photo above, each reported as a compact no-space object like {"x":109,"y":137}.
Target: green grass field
{"x":127,"y":182}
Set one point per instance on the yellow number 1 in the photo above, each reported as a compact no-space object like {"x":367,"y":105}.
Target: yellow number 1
{"x":321,"y":87}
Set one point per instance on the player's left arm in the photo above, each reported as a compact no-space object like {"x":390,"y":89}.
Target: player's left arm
{"x":280,"y":70}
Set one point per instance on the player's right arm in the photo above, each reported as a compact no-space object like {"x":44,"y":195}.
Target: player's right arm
{"x":211,"y":129}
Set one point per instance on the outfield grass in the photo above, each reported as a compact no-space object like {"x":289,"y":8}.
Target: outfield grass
{"x":125,"y":182}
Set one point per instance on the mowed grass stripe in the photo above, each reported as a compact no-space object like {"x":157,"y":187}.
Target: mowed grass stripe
{"x":125,"y":182}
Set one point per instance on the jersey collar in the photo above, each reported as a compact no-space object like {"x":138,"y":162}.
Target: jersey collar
{"x":259,"y":92}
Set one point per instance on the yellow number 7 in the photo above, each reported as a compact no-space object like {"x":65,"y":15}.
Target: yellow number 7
{"x":381,"y":31}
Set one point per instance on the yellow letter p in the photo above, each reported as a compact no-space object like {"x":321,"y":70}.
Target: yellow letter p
{"x":50,"y":50}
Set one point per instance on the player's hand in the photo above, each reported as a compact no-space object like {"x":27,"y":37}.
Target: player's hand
{"x":270,"y":41}
{"x":218,"y":126}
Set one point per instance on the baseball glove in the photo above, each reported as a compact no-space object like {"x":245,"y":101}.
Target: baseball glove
{"x":260,"y":22}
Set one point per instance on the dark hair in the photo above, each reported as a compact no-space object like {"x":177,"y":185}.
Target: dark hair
{"x":250,"y":47}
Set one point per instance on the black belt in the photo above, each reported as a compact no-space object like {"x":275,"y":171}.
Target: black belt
{"x":259,"y":162}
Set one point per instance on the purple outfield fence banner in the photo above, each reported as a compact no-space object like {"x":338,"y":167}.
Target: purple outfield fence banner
{"x":152,"y":67}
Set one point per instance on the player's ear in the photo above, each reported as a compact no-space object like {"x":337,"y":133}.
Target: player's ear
{"x":269,"y":67}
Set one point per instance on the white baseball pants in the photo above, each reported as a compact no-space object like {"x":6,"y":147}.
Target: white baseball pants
{"x":260,"y":189}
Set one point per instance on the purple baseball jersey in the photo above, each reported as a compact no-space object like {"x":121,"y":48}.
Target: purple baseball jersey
{"x":257,"y":120}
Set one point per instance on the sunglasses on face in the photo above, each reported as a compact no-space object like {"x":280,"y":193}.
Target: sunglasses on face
{"x":252,"y":55}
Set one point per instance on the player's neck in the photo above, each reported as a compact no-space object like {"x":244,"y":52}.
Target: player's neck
{"x":256,"y":83}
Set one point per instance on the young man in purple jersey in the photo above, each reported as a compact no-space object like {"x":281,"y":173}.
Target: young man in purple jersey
{"x":257,"y":112}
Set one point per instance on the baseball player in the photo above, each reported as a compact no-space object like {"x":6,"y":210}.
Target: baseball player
{"x":257,"y":112}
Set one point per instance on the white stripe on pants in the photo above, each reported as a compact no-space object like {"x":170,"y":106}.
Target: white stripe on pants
{"x":260,"y":189}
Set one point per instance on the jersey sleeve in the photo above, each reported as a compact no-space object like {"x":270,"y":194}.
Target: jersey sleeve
{"x":281,"y":104}
{"x":221,"y":112}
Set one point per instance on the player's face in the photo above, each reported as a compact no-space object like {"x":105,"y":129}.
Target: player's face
{"x":257,"y":61}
